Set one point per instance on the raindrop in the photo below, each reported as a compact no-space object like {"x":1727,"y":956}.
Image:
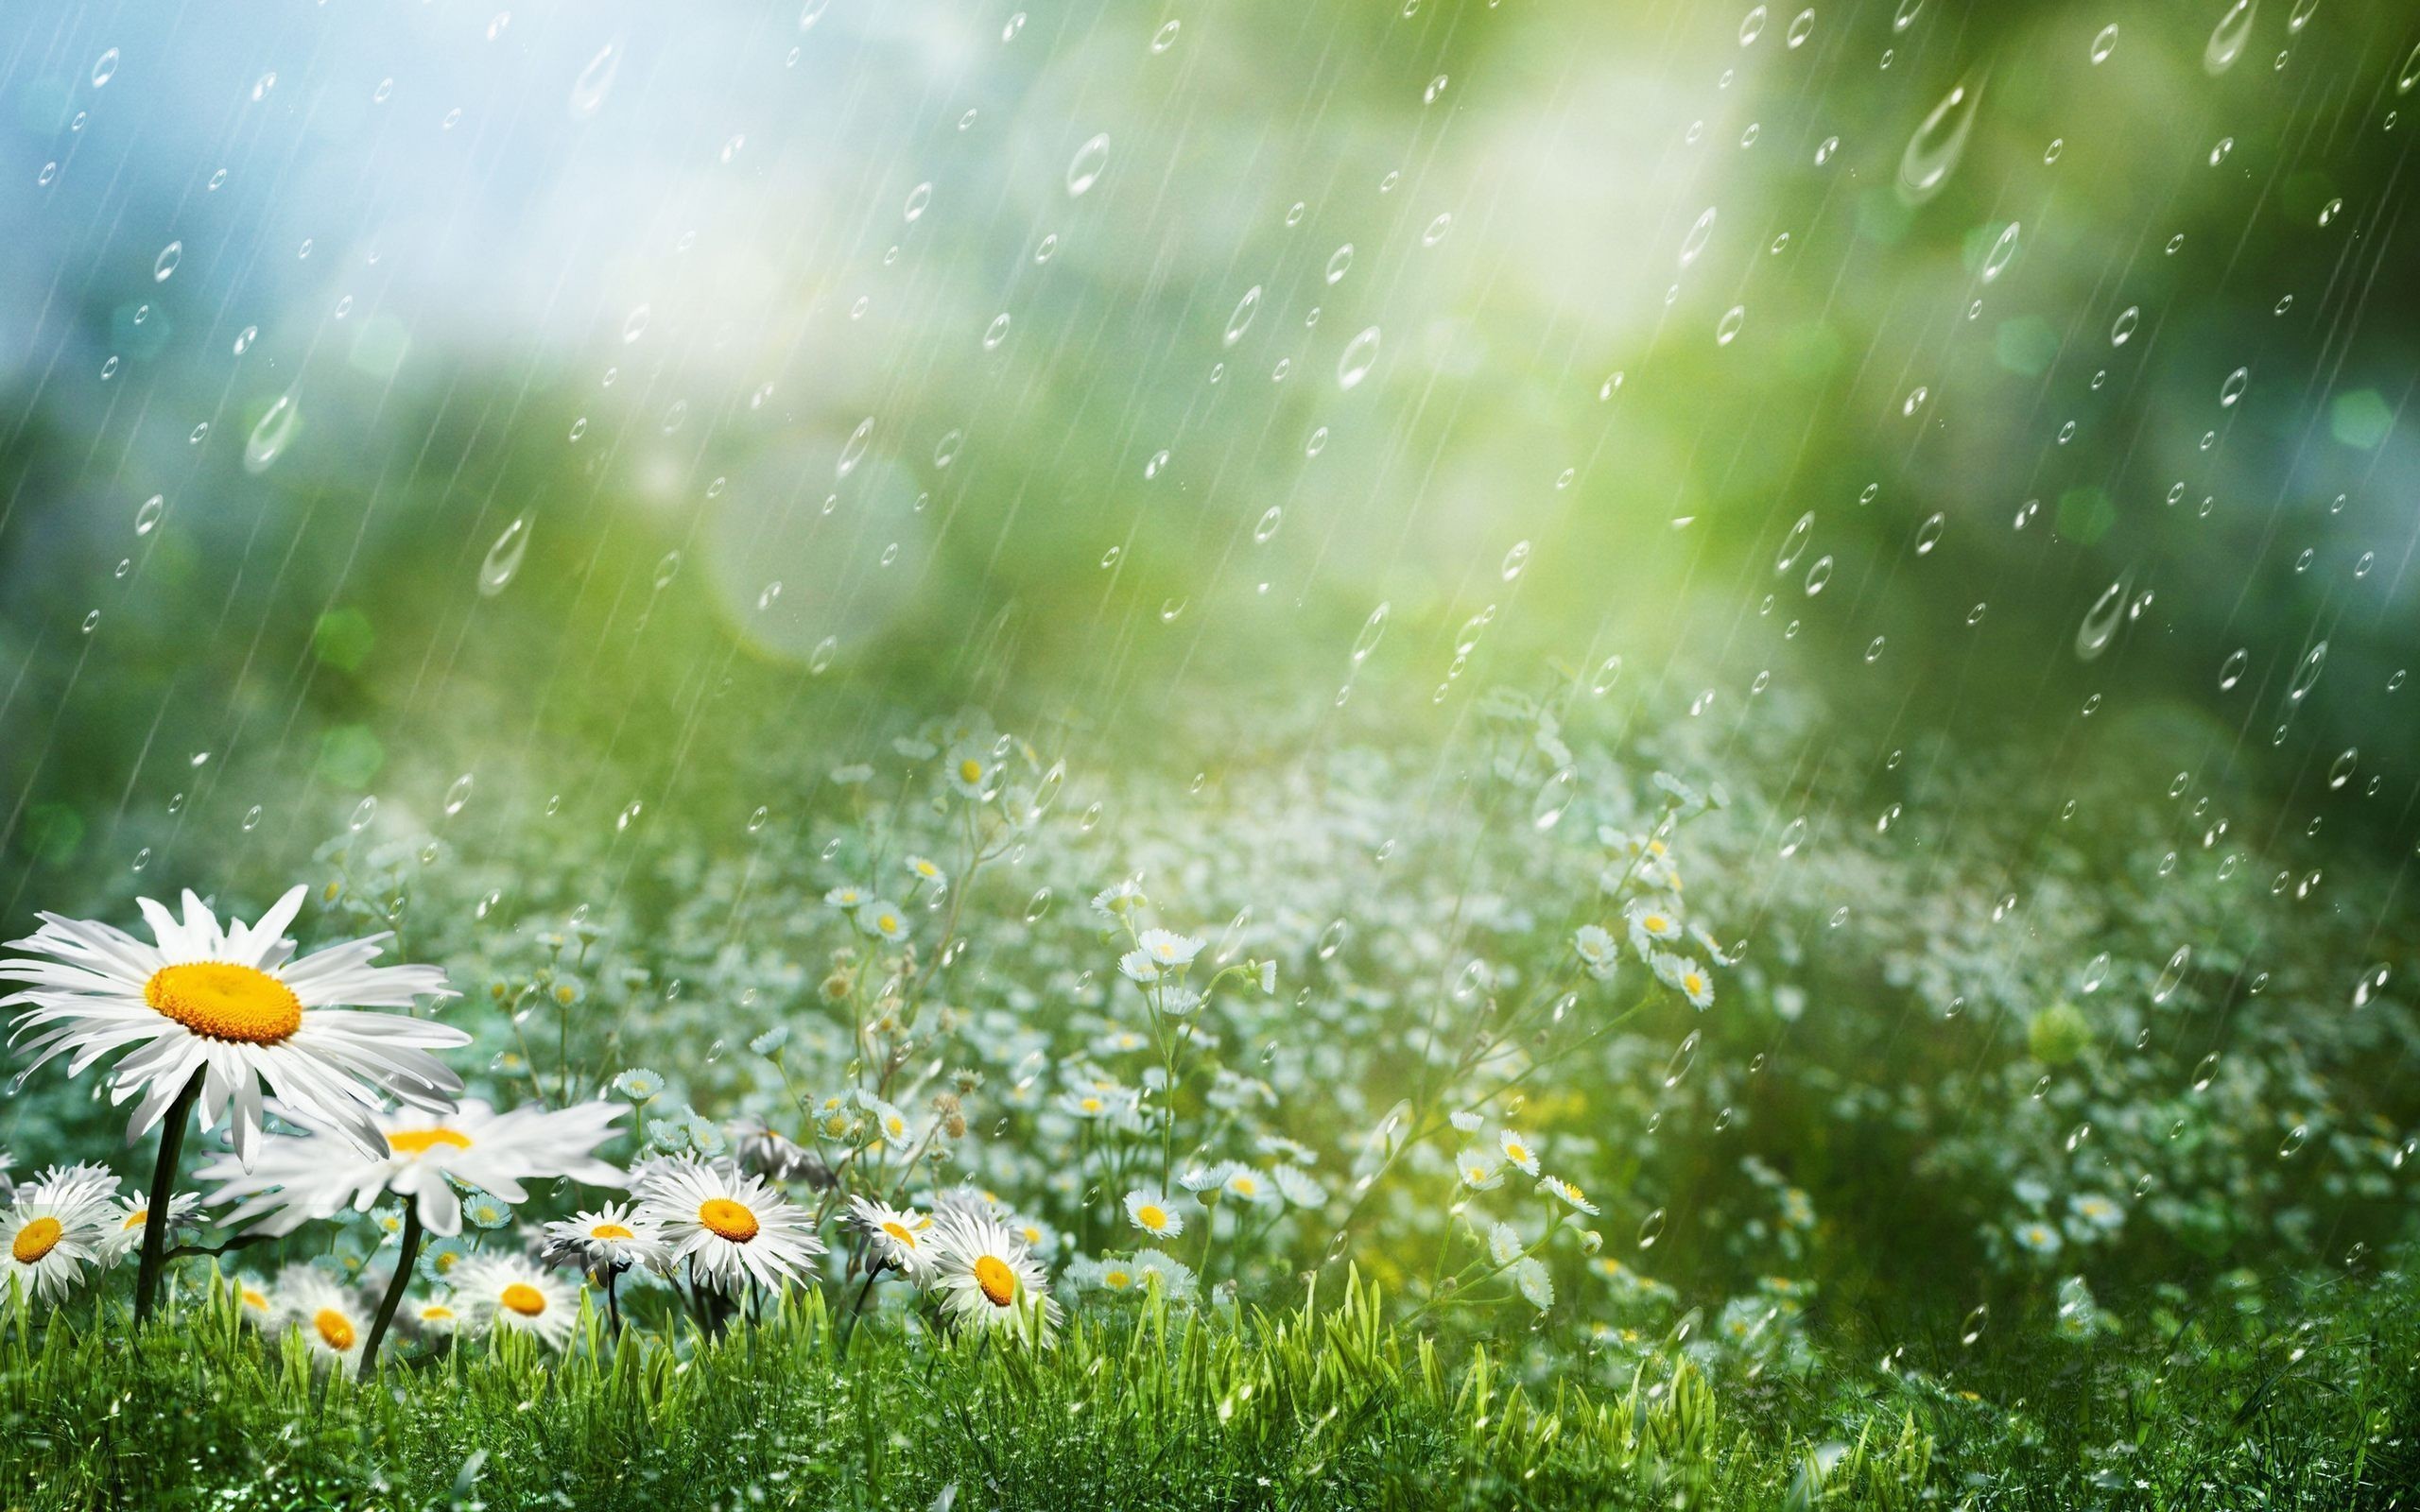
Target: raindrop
{"x":1794,"y":543}
{"x":2104,"y":43}
{"x":1651,"y":1229}
{"x":1554,"y":798}
{"x":1608,"y":673}
{"x":589,"y":90}
{"x":2127,"y":320}
{"x":1933,"y":151}
{"x":2232,"y":390}
{"x":1799,"y":26}
{"x":1359,"y":355}
{"x":504,"y":558}
{"x":2100,"y":622}
{"x":105,"y":68}
{"x":1928,"y":534}
{"x":1972,"y":1329}
{"x":270,"y":436}
{"x":1728,"y":327}
{"x":459,"y":794}
{"x":1240,"y":321}
{"x":1084,"y":169}
{"x":146,"y":517}
{"x":918,"y":198}
{"x":2307,"y":672}
{"x":1339,"y":262}
{"x":1515,"y":560}
{"x":2002,"y":250}
{"x":1818,"y":575}
{"x":2171,"y":974}
{"x":2228,"y":37}
{"x":1270,"y":520}
{"x":1165,"y":38}
{"x":1793,"y":835}
{"x":170,"y":256}
{"x":1694,"y":243}
{"x":997,"y":332}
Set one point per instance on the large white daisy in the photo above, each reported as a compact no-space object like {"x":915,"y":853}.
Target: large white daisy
{"x":508,"y":1292}
{"x":727,"y":1225}
{"x":297,"y":1179}
{"x":986,"y":1278}
{"x":233,"y":1004}
{"x":128,"y":1214}
{"x":604,"y":1240}
{"x":46,"y":1243}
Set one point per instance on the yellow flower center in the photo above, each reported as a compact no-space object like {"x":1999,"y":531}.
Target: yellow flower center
{"x":886,"y":922}
{"x":1244,"y":1186}
{"x":35,"y":1240}
{"x":335,"y":1330}
{"x":220,"y":1000}
{"x":970,"y":770}
{"x":727,"y":1219}
{"x":437,"y":1312}
{"x":1655,"y":924}
{"x":1152,"y":1215}
{"x":1091,"y":1104}
{"x":1117,"y":1281}
{"x":998,"y":1282}
{"x":526,"y":1301}
{"x":418,"y":1142}
{"x":1517,"y":1152}
{"x":610,"y":1230}
{"x":899,"y":1231}
{"x":1692,"y":983}
{"x":257,"y":1301}
{"x":135,"y":1220}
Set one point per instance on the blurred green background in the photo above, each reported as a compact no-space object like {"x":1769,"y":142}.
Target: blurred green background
{"x":618,"y":404}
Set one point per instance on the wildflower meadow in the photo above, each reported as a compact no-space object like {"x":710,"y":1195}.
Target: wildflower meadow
{"x":1454,"y":754}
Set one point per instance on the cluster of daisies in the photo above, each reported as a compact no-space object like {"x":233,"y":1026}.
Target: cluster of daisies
{"x":327,"y":1107}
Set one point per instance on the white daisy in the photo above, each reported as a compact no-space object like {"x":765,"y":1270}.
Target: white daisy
{"x":435,"y":1316}
{"x":301,"y":1178}
{"x":1136,"y":965}
{"x":1569,"y":1193}
{"x":508,"y":1292}
{"x":889,"y":1120}
{"x":1151,"y":1213}
{"x":1167,"y":949}
{"x":1518,"y":1151}
{"x":1535,"y":1282}
{"x":728,"y":1226}
{"x":334,"y":1323}
{"x":1651,"y":924}
{"x":971,"y":770}
{"x":1481,"y":1170}
{"x":233,"y":1006}
{"x":254,"y":1301}
{"x":130,"y":1212}
{"x":984,"y":1278}
{"x":883,"y":919}
{"x":898,"y":1234}
{"x":1298,"y":1186}
{"x":1686,"y":977}
{"x":81,"y":1182}
{"x":923,"y":870}
{"x":604,"y":1240}
{"x":1598,"y":950}
{"x":45,"y":1245}
{"x":1245,"y":1184}
{"x":845,"y":897}
{"x":1176,"y":1279}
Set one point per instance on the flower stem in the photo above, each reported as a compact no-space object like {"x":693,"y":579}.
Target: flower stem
{"x":162,"y":1198}
{"x":408,"y":1252}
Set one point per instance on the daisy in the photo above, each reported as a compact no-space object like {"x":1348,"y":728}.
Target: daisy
{"x":45,"y":1244}
{"x":1535,"y":1282}
{"x":1597,"y":949}
{"x":1136,"y":967}
{"x":889,"y":1119}
{"x":1175,"y":1278}
{"x":1115,"y":900}
{"x":605,"y":1240}
{"x":985,"y":1278}
{"x":135,"y":1211}
{"x":71,"y":1184}
{"x":1481,"y":1170}
{"x":883,"y":919}
{"x":334,"y":1323}
{"x":1651,"y":924}
{"x":1298,"y":1186}
{"x":898,"y":1234}
{"x":845,"y":897}
{"x":254,"y":1301}
{"x":1518,"y":1151}
{"x":1569,"y":1193}
{"x":422,"y":1158}
{"x":728,"y":1226}
{"x":1151,"y":1213}
{"x":508,"y":1292}
{"x":1686,"y":977}
{"x":1245,"y":1184}
{"x":1167,"y":949}
{"x":437,"y":1315}
{"x":923,"y":870}
{"x":215,"y":1011}
{"x":971,"y":770}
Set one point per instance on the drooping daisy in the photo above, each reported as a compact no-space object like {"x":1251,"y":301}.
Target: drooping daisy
{"x":1137,"y":966}
{"x":610,"y":1238}
{"x":1535,"y":1282}
{"x":47,"y":1245}
{"x":985,"y":1278}
{"x":1569,"y":1193}
{"x":1167,"y":949}
{"x":1151,"y":1213}
{"x":235,"y":1007}
{"x":1481,"y":1170}
{"x":727,"y":1227}
{"x":421,"y":1156}
{"x":332,"y":1322}
{"x":1686,"y":977}
{"x":508,"y":1292}
{"x":131,"y":1211}
{"x":898,"y":1234}
{"x":1518,"y":1151}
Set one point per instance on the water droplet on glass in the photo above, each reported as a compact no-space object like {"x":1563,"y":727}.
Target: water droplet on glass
{"x":504,"y":558}
{"x":1359,"y":355}
{"x":2228,"y":37}
{"x":167,"y":262}
{"x":589,"y":90}
{"x":1935,"y":149}
{"x":270,"y":436}
{"x":1084,"y":168}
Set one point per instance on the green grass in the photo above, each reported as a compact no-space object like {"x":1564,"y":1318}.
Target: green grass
{"x":1319,"y":1406}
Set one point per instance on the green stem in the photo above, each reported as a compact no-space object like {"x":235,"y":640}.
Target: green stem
{"x":162,"y":1198}
{"x":395,"y":1289}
